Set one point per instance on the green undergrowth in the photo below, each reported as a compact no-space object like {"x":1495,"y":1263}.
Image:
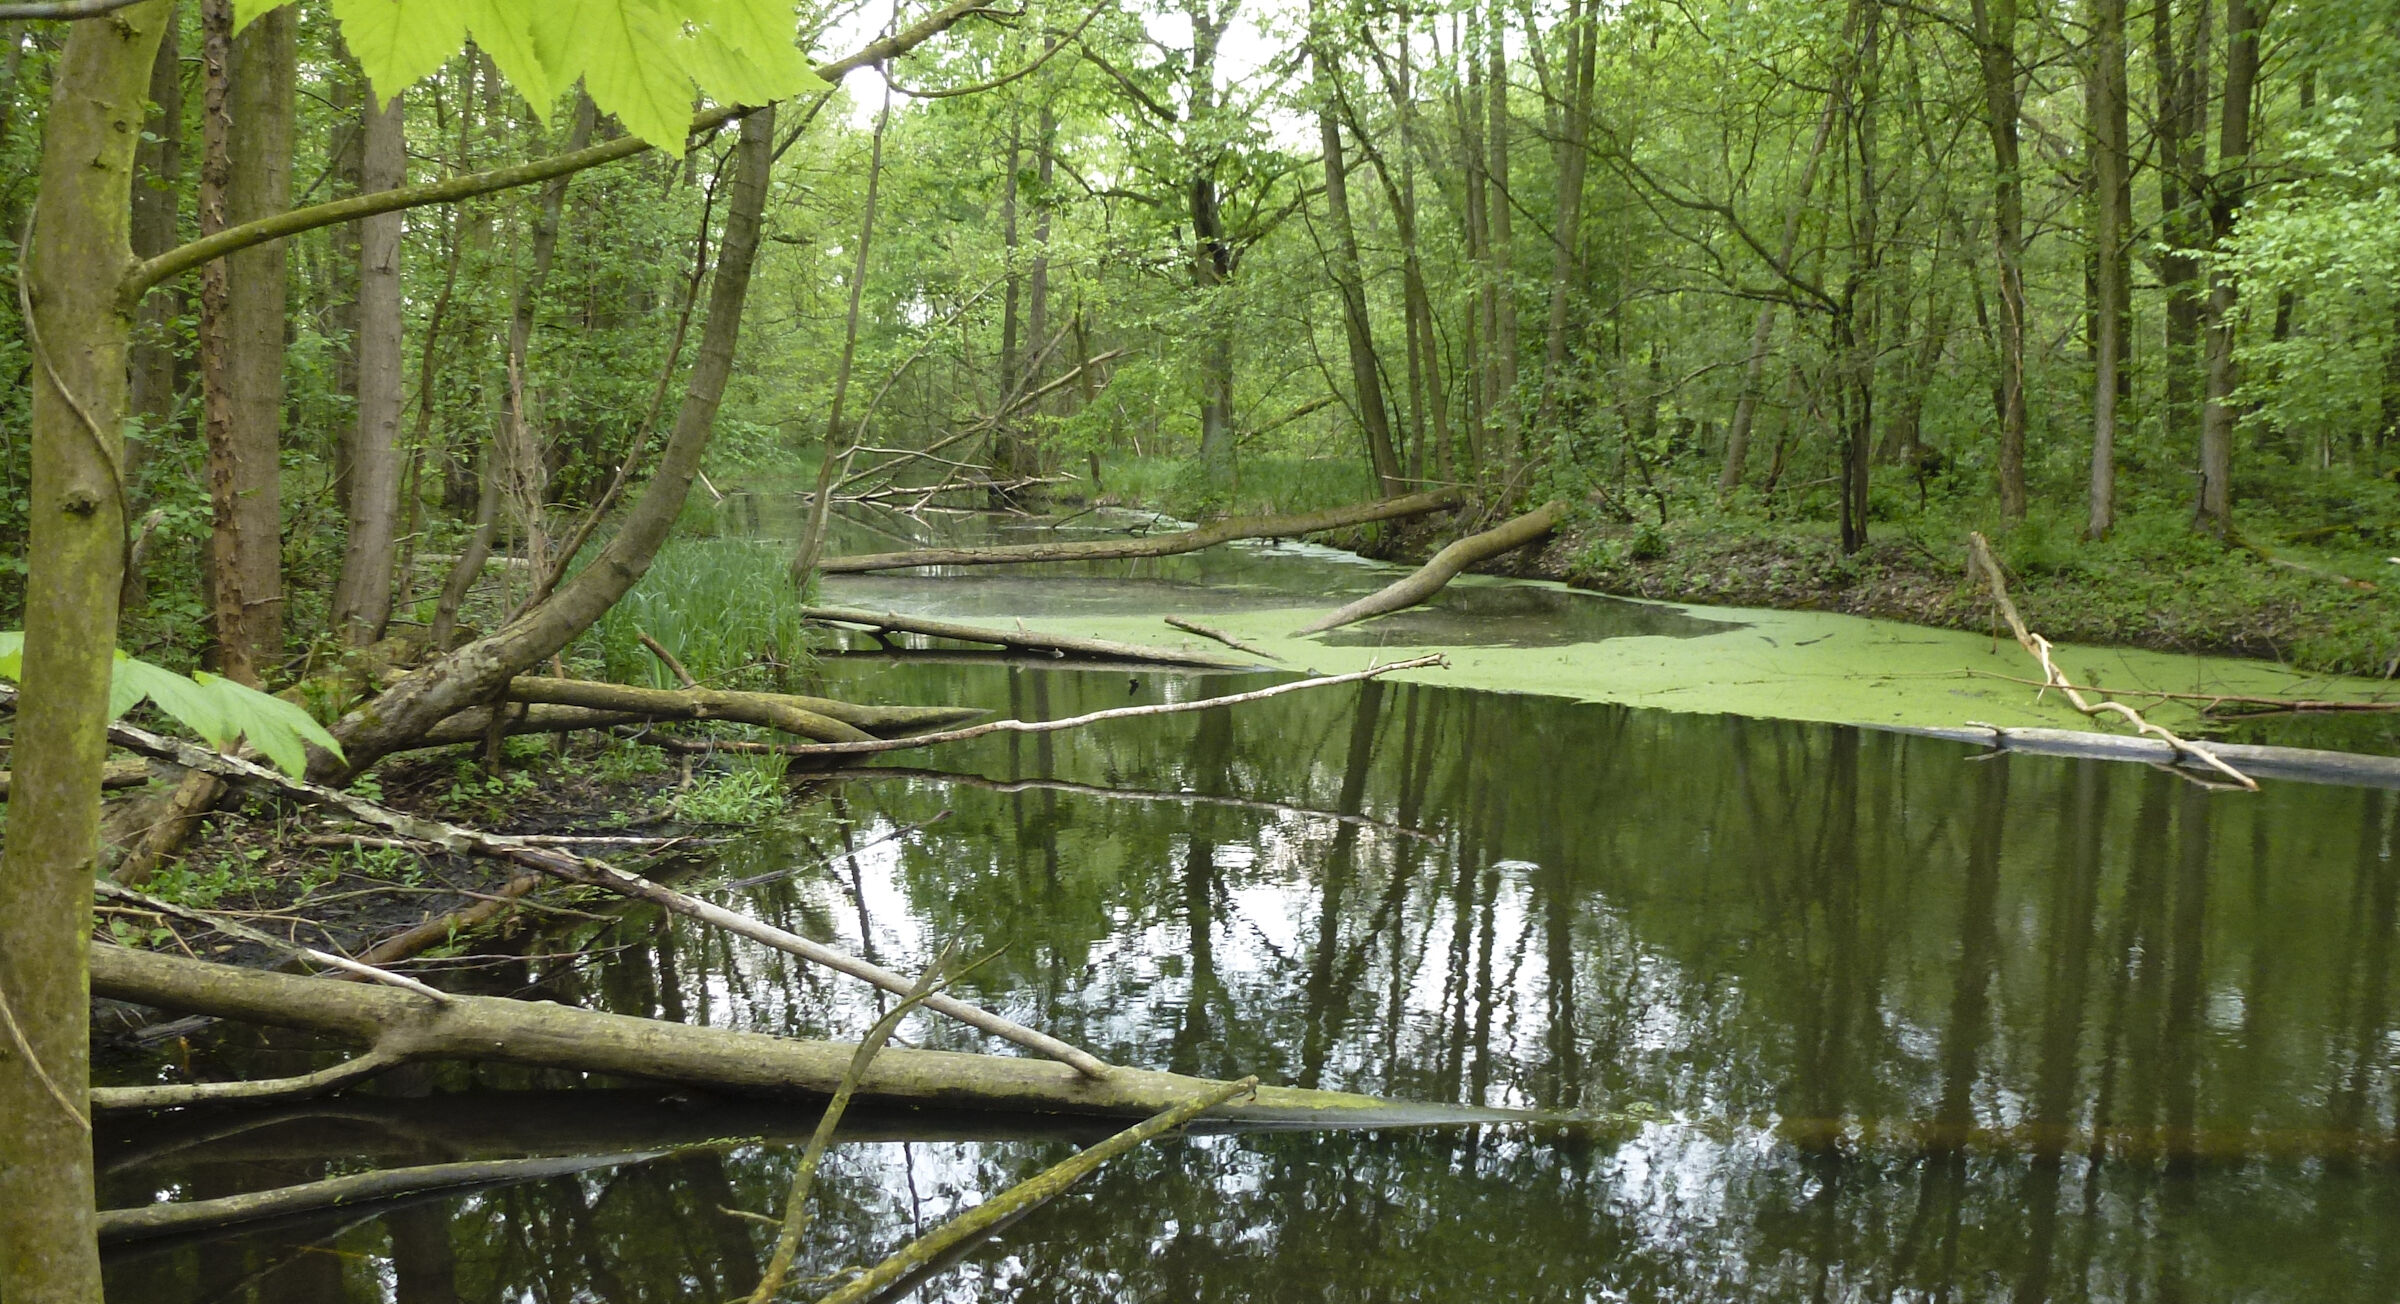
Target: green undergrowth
{"x":1264,"y":486}
{"x":724,"y":606}
{"x":2153,"y":583}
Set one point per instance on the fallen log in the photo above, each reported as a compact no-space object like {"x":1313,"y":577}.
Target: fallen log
{"x":119,"y":774}
{"x":879,"y":745}
{"x":2301,"y":764}
{"x":1210,"y":632}
{"x":182,"y":1217}
{"x":1157,"y":545}
{"x":1428,"y":579}
{"x":966,"y":1229}
{"x":542,"y":1034}
{"x":821,"y":718}
{"x":1057,"y":645}
{"x":594,"y":873}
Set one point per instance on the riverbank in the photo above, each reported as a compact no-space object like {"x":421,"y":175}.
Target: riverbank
{"x":2183,"y":594}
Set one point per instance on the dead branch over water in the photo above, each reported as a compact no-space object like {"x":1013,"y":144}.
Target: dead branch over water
{"x":1979,"y":558}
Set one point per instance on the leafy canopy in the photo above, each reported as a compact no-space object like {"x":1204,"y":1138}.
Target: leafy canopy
{"x":639,"y":59}
{"x":218,"y":709}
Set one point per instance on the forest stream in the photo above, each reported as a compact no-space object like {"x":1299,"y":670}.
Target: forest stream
{"x":1832,"y":1012}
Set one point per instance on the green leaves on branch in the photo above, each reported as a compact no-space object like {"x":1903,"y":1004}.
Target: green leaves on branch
{"x":638,"y":59}
{"x":219,"y":710}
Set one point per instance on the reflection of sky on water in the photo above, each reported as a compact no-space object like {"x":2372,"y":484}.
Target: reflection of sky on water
{"x":1825,"y":967}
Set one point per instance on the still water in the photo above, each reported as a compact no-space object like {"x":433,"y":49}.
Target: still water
{"x":1866,"y":1019}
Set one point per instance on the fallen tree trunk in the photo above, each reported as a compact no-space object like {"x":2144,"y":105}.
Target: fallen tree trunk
{"x":1211,"y":632}
{"x":763,"y":709}
{"x":1057,"y":645}
{"x":1428,"y":579}
{"x":880,"y":745}
{"x":594,"y":873}
{"x":542,"y":1034}
{"x":181,"y":1217}
{"x":1157,"y":545}
{"x":2302,"y":764}
{"x":122,"y":774}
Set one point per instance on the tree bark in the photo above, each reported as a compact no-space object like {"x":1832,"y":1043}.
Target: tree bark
{"x":1996,"y":47}
{"x":79,"y":333}
{"x":160,"y":165}
{"x":476,"y":672}
{"x":1056,"y":645}
{"x":2181,"y":79}
{"x":247,"y":176}
{"x":2225,"y":195}
{"x":1445,"y":566}
{"x":1358,"y":335}
{"x":362,"y":597}
{"x":1500,"y":387}
{"x":2112,"y":210}
{"x":543,"y":1034}
{"x":1573,"y":156}
{"x":1212,"y":256}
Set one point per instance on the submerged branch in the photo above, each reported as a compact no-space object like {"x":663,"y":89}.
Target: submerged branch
{"x":1029,"y":1194}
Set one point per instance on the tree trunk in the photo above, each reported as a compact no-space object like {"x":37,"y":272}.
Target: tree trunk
{"x":2217,"y":415}
{"x":1855,"y":320}
{"x":1573,"y":155}
{"x":1762,"y":330}
{"x":1500,"y":389}
{"x":159,"y":161}
{"x":832,"y":459}
{"x":2112,"y":209}
{"x":2182,"y":89}
{"x":1366,"y":378}
{"x":246,"y":175}
{"x":1445,"y":566}
{"x":518,"y":450}
{"x":1996,"y":45}
{"x":81,"y":246}
{"x":543,"y":1034}
{"x":1212,"y":259}
{"x":362,"y":598}
{"x":476,"y":672}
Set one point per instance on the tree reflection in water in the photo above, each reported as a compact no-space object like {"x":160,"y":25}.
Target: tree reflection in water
{"x":1894,"y":1025}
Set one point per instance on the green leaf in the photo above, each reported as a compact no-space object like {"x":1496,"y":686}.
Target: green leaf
{"x":505,"y":31}
{"x":399,"y":41}
{"x":626,"y":51}
{"x":275,"y":727}
{"x":745,"y":51}
{"x":12,"y":654}
{"x":246,"y":12}
{"x":182,"y":699}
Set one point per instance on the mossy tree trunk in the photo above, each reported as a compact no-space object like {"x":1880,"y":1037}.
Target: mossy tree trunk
{"x":82,"y":243}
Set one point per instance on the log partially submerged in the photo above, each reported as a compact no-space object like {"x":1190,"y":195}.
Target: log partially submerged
{"x":766,"y":709}
{"x":545,"y":1035}
{"x":1057,"y":645}
{"x":2303,"y":764}
{"x":181,"y":1217}
{"x":1157,"y":545}
{"x":1446,"y":565}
